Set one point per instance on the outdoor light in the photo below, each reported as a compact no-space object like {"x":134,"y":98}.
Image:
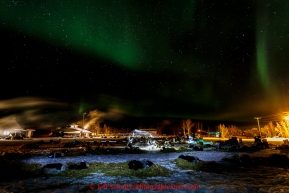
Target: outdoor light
{"x":83,"y":121}
{"x":286,"y":116}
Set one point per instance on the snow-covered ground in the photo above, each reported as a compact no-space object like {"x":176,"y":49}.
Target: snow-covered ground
{"x":259,"y":179}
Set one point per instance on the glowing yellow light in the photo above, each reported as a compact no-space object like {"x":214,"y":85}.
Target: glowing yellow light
{"x":287,"y":118}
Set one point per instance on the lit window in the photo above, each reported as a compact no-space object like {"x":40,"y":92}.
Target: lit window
{"x":6,"y":132}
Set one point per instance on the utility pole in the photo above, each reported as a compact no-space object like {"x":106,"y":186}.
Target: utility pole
{"x":258,"y":124}
{"x":82,"y":122}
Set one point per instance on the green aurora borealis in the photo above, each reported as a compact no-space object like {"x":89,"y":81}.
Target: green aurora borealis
{"x":209,"y":60}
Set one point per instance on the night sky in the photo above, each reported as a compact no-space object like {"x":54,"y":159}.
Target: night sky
{"x":223,"y":60}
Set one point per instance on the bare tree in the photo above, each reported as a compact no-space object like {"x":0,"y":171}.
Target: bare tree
{"x":282,"y":129}
{"x":107,"y":130}
{"x":234,"y":130}
{"x":187,"y":125}
{"x":269,"y":130}
{"x":252,"y":132}
{"x":223,"y":130}
{"x":95,"y":128}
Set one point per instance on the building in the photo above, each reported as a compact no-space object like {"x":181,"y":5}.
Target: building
{"x":10,"y":126}
{"x":74,"y":130}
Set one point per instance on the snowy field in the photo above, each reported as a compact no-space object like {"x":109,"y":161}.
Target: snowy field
{"x":256,"y":179}
{"x":253,"y":179}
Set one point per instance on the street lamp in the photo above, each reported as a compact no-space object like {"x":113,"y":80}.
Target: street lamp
{"x":83,"y":120}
